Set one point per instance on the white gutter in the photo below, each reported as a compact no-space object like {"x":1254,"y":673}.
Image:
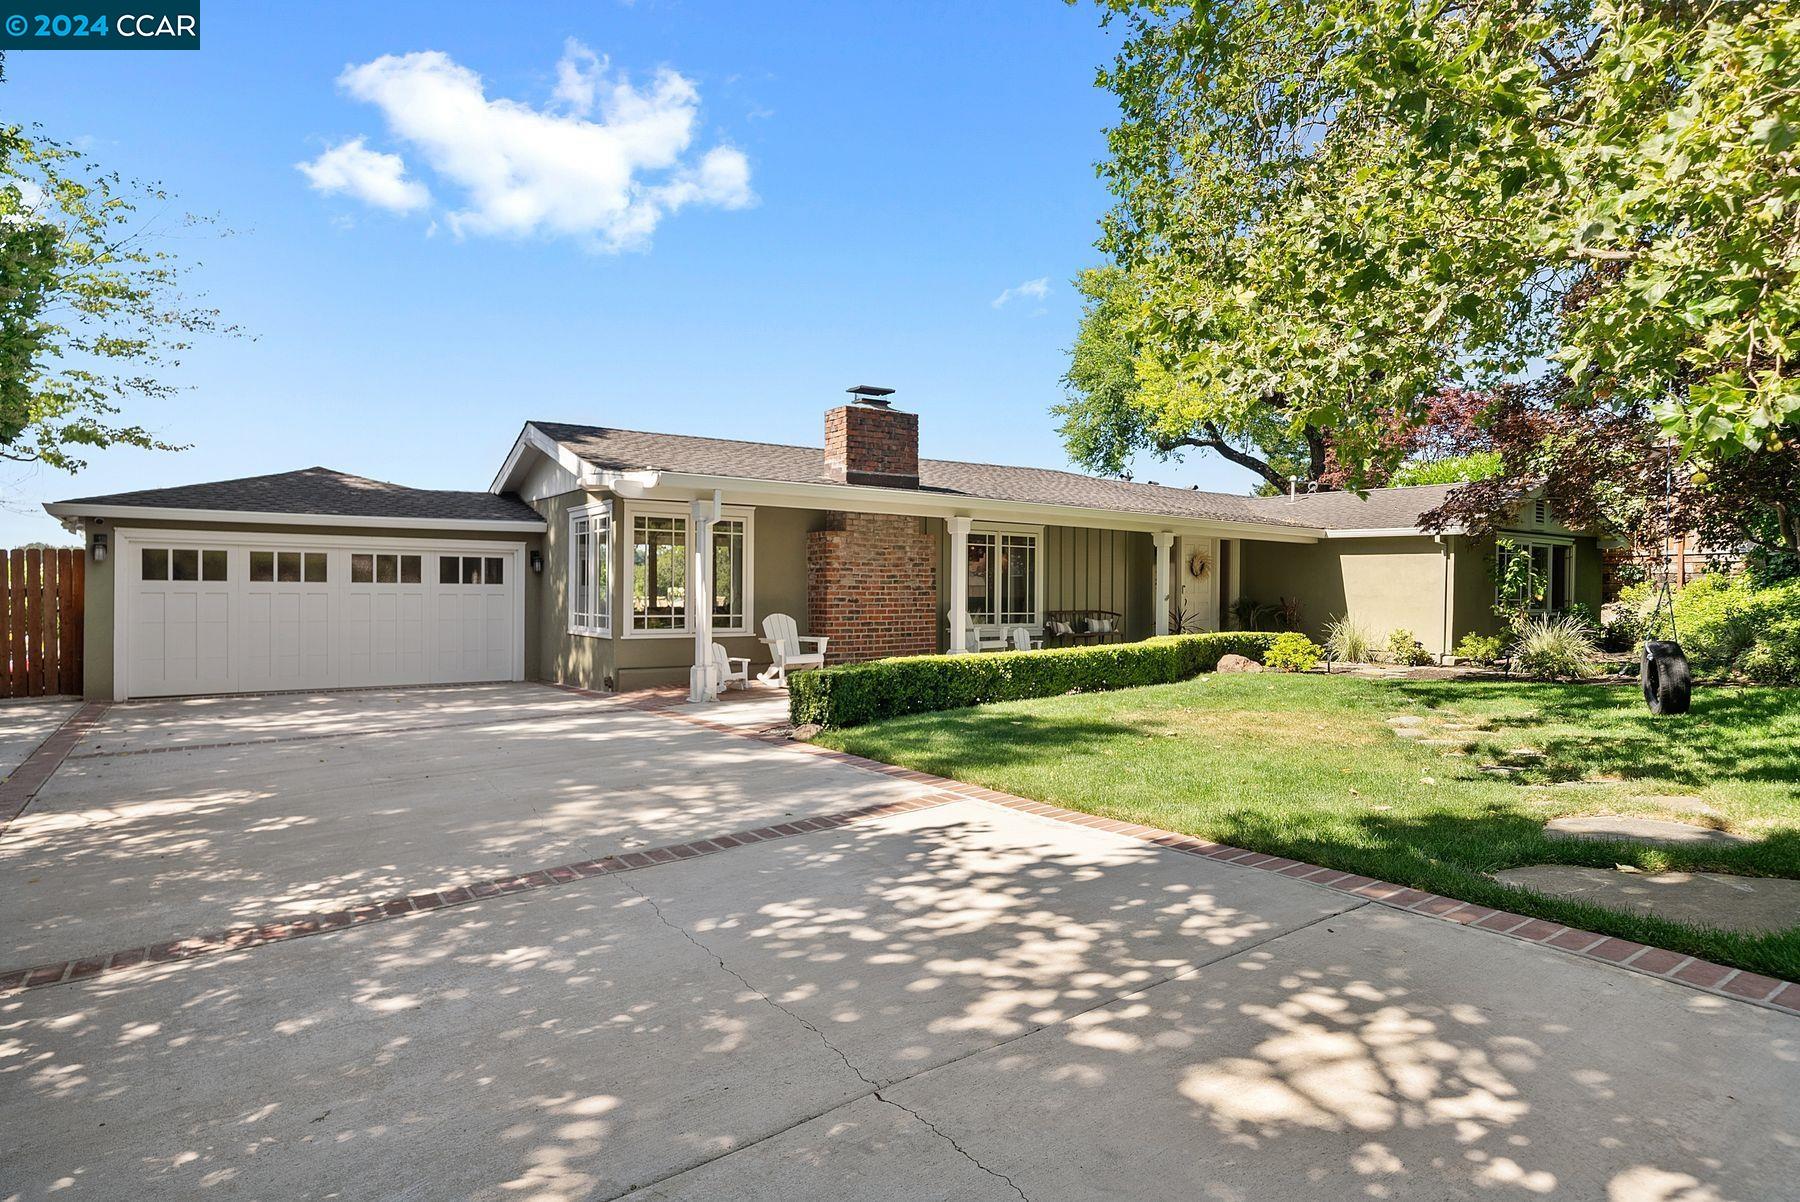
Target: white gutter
{"x":865,"y":498}
{"x":68,"y":510}
{"x":1393,"y":532}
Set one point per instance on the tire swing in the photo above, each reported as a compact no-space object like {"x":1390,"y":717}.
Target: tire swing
{"x":1668,"y":682}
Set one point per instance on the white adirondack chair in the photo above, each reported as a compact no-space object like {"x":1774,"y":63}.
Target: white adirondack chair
{"x":729,"y":670}
{"x":1021,"y":639}
{"x":974,"y":640}
{"x":783,"y":639}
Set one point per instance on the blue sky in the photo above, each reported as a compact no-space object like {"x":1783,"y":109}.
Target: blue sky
{"x":839,"y":194}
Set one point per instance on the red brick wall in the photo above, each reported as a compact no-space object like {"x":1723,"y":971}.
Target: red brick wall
{"x":871,"y":584}
{"x":865,"y":444}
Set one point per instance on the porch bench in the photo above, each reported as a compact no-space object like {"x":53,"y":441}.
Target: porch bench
{"x":1080,"y":623}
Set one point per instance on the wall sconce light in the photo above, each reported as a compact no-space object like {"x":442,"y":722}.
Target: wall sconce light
{"x":537,"y":561}
{"x":99,"y":548}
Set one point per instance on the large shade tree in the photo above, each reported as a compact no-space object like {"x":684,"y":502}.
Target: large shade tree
{"x":93,"y":318}
{"x":1330,"y":211}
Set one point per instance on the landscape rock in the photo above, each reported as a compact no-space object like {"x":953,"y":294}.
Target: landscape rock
{"x":1239,"y":663}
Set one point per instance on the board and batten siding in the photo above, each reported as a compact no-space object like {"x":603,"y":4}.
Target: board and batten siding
{"x":1084,"y":568}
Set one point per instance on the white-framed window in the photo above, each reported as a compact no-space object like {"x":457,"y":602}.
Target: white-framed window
{"x":661,"y":559}
{"x":731,"y":575}
{"x":590,"y":555}
{"x":1550,"y":586}
{"x":1005,"y":569}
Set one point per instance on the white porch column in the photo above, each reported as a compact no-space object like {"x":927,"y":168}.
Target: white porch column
{"x":702,"y":682}
{"x":1165,"y":539}
{"x":958,"y":527}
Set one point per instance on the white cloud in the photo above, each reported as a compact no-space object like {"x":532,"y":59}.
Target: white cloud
{"x":1036,"y":289}
{"x":368,"y":175}
{"x":604,"y":162}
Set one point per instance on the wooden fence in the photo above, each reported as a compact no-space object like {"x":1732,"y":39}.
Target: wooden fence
{"x":40,"y":621}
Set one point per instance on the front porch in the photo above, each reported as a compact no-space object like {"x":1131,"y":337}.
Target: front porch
{"x":883,"y":585}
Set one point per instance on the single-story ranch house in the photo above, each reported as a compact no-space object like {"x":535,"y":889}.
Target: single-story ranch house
{"x":574,"y":566}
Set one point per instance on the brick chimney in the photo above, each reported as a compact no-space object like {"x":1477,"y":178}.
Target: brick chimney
{"x":870,"y":442}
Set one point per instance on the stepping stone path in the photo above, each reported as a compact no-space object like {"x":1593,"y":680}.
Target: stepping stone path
{"x":1713,"y":899}
{"x":1639,"y":830}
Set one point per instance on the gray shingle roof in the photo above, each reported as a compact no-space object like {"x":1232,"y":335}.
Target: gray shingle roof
{"x":1382,"y":509}
{"x":322,"y":492}
{"x":613,"y":449}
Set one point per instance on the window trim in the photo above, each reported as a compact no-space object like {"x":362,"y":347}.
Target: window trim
{"x":1555,"y":545}
{"x":597,"y":512}
{"x":1036,"y":534}
{"x":627,"y":628}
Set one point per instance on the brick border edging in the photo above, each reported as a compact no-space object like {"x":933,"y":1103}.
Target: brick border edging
{"x":1661,"y":963}
{"x":23,"y":783}
{"x":239,"y":938}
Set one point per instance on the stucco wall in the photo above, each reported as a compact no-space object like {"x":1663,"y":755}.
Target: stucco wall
{"x":1384,"y":583}
{"x":1380,"y":583}
{"x":97,"y":605}
{"x":1473,"y":611}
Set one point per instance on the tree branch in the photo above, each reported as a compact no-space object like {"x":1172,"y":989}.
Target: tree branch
{"x":1214,"y":440}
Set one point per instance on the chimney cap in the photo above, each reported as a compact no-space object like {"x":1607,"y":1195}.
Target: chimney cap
{"x":869,"y":394}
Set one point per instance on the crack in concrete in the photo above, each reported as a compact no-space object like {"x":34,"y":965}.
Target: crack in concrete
{"x":875,"y":1086}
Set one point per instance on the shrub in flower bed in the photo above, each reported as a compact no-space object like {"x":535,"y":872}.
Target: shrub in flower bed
{"x":852,"y":694}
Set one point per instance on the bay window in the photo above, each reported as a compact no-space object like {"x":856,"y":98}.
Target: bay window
{"x":661,"y":558}
{"x":1003,"y":578}
{"x":590,"y":547}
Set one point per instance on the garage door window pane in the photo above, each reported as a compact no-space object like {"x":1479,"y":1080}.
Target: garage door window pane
{"x":184,"y":564}
{"x":287,"y":567}
{"x":262,"y":567}
{"x":409,"y":569}
{"x":315,"y":567}
{"x":156,"y":563}
{"x":362,"y":569}
{"x":387,"y":569}
{"x":212,"y":565}
{"x":471,"y":569}
{"x":495,"y":572}
{"x":448,"y":568}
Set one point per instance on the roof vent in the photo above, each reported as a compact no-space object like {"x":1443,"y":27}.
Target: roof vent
{"x":869,"y":394}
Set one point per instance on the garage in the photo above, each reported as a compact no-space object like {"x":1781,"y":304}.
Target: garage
{"x":273,"y":612}
{"x":306,"y":580}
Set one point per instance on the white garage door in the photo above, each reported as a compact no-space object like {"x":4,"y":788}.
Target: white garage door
{"x":210,"y":616}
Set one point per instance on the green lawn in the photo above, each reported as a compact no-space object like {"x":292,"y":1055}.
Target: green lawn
{"x":1310,"y":767}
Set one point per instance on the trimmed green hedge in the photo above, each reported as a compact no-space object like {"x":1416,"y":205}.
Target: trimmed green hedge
{"x":853,"y":694}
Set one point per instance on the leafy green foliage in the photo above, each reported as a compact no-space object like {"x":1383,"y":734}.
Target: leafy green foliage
{"x":1346,"y":642}
{"x":852,"y":694}
{"x":1328,"y":210}
{"x":1457,"y":469}
{"x":1554,"y":648}
{"x":1481,"y":648}
{"x":91,"y":315}
{"x":1726,"y":624}
{"x":1123,"y":400}
{"x":1293,"y":652}
{"x":1404,"y":649}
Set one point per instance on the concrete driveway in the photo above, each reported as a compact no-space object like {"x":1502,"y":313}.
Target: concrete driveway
{"x":955,"y":1001}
